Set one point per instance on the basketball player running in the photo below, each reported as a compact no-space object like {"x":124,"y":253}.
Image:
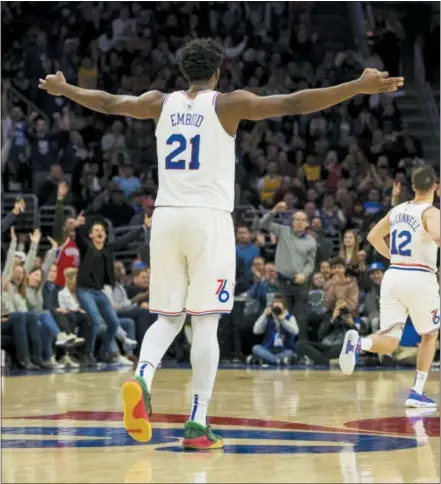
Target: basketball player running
{"x":409,"y":287}
{"x":192,"y":240}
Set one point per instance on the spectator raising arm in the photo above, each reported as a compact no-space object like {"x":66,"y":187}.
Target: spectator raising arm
{"x":267,"y":222}
{"x":32,"y":254}
{"x":9,"y":219}
{"x":49,"y":260}
{"x":10,"y":256}
{"x":81,"y":238}
{"x":59,"y":213}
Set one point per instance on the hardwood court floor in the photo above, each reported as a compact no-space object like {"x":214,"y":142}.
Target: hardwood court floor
{"x":279,"y":426}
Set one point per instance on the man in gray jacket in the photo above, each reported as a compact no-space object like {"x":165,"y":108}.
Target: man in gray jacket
{"x":294,"y":260}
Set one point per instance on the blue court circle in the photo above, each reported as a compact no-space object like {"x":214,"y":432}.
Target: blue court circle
{"x":291,"y":442}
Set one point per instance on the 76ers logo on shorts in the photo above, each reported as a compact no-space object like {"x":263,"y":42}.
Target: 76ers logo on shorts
{"x":222,"y":294}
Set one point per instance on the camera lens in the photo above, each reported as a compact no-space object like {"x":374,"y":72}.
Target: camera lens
{"x":276,"y":311}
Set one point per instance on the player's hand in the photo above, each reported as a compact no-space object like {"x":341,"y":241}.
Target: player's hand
{"x":268,"y":311}
{"x":373,"y":81}
{"x":280,"y":207}
{"x":63,"y":189}
{"x":53,"y":83}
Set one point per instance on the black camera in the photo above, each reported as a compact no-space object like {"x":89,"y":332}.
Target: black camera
{"x":276,"y":310}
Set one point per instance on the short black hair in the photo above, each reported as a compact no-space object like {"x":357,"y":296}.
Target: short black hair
{"x":424,"y":179}
{"x":337,"y":261}
{"x":199,"y":59}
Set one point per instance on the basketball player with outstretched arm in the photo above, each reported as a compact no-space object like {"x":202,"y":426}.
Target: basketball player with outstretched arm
{"x":409,"y":287}
{"x":192,"y":240}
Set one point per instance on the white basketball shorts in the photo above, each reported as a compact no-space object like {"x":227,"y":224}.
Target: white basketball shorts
{"x":409,"y":292}
{"x":193,"y":261}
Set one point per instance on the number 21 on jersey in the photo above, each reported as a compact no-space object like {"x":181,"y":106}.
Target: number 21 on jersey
{"x":399,"y":243}
{"x":185,"y":151}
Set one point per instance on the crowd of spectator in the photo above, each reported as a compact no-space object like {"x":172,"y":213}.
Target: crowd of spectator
{"x":307,"y":188}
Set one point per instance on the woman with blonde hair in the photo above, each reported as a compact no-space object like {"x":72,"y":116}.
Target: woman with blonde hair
{"x":41,"y":341}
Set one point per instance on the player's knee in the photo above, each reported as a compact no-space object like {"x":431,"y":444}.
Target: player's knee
{"x":176,"y":321}
{"x":205,"y":320}
{"x":205,"y":327}
{"x":395,"y":335}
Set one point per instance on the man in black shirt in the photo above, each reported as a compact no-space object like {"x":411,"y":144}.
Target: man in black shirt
{"x":95,"y":271}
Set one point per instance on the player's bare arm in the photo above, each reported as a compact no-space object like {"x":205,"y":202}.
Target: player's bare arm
{"x":431,"y":221}
{"x":238,"y":105}
{"x":146,"y":106}
{"x":377,"y":237}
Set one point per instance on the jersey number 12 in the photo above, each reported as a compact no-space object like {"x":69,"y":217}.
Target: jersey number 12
{"x":172,"y":162}
{"x":404,"y":238}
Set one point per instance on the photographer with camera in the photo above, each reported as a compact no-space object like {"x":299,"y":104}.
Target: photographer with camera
{"x":279,"y":328}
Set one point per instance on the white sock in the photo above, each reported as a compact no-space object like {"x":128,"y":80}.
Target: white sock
{"x":420,"y":380}
{"x":204,"y":359}
{"x":156,"y":342}
{"x":366,"y":344}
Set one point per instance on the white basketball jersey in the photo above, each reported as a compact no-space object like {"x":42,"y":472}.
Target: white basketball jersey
{"x":196,"y":156}
{"x":410,"y":244}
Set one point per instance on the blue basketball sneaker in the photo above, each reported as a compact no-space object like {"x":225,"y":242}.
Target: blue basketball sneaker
{"x":349,"y":352}
{"x":419,"y":400}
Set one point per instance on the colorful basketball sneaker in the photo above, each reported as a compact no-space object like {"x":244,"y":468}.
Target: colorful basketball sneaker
{"x":200,"y":437}
{"x":137,"y":409}
{"x":349,"y":352}
{"x":419,"y":400}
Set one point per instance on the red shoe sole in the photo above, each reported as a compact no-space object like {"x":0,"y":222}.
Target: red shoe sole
{"x":136,"y":419}
{"x":202,"y":443}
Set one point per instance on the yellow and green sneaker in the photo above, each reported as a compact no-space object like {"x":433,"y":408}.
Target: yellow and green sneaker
{"x":200,"y":437}
{"x":137,"y":409}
